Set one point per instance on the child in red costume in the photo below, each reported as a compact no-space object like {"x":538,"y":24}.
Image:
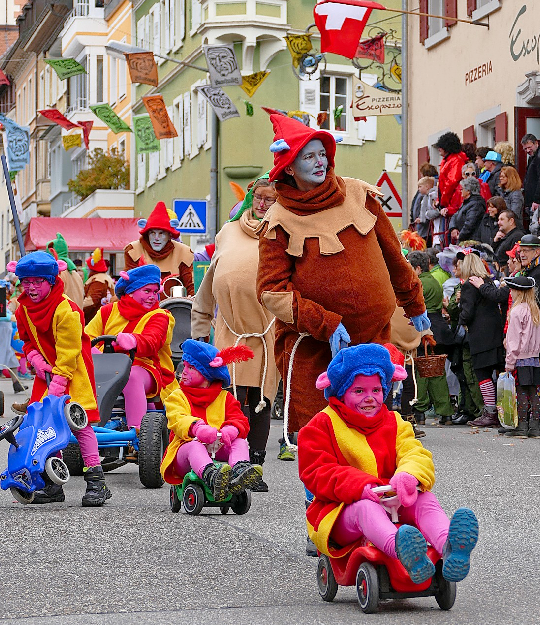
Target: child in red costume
{"x":355,"y":444}
{"x":199,"y":412}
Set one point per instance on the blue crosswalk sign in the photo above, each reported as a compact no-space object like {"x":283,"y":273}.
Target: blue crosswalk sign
{"x":191,"y":215}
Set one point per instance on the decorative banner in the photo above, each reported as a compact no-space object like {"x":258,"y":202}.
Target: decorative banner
{"x":249,"y":108}
{"x":222,"y":65}
{"x":251,"y":83}
{"x":71,"y":141}
{"x":86,"y":127}
{"x":55,"y":116}
{"x":298,"y":46}
{"x":18,"y":144}
{"x":220,"y":102}
{"x":372,"y":49}
{"x":145,"y":137}
{"x":395,"y":70}
{"x":107,"y":115}
{"x":371,"y":101}
{"x":163,"y":126}
{"x":142,"y":67}
{"x":66,"y":68}
{"x":4,"y":80}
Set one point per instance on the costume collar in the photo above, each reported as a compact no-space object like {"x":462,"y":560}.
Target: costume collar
{"x":365,"y":425}
{"x":202,"y":397}
{"x":131,"y":310}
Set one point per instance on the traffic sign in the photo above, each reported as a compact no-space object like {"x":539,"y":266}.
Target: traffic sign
{"x":191,"y":215}
{"x":391,"y":200}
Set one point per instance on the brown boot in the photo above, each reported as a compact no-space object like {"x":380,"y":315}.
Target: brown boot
{"x":417,"y":432}
{"x":20,"y":408}
{"x":488,"y":419}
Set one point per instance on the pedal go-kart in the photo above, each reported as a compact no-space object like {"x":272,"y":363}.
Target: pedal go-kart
{"x":195,"y":495}
{"x":113,"y":435}
{"x":378,"y":576}
{"x":42,"y":433}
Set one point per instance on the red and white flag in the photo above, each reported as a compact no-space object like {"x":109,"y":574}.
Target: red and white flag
{"x":341,"y":24}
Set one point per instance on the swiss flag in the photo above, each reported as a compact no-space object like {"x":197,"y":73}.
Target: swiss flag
{"x":341,"y":24}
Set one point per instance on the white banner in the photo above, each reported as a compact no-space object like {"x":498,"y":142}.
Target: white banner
{"x":220,"y":102}
{"x":222,"y":66}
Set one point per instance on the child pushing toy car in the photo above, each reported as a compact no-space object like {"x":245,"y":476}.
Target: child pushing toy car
{"x":356,"y":444}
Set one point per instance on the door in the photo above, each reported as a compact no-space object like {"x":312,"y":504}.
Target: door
{"x":526,"y":120}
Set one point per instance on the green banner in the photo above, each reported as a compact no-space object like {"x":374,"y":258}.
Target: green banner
{"x":107,"y":115}
{"x":145,"y":137}
{"x":66,"y":68}
{"x":200,"y":267}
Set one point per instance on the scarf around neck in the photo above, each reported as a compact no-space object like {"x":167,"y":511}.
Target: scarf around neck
{"x":168,"y":249}
{"x":365,"y":425}
{"x":202,"y":397}
{"x":41,"y":313}
{"x":131,"y":310}
{"x":328,"y":194}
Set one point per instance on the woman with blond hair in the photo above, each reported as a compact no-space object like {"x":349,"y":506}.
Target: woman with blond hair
{"x":482,"y":318}
{"x":509,"y":189}
{"x":506,"y":150}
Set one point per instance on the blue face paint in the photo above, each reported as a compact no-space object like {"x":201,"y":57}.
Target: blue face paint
{"x":309,"y":167}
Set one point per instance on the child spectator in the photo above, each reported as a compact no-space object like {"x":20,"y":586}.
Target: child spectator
{"x":421,"y":220}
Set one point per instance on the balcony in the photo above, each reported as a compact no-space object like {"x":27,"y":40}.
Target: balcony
{"x":84,"y":26}
{"x":102,"y":203}
{"x":39,"y":21}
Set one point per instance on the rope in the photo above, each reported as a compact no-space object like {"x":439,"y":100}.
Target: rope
{"x":409,"y":357}
{"x":288,"y":393}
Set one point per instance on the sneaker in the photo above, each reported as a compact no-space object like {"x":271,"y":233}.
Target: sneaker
{"x":446,"y":421}
{"x":286,"y":453}
{"x":462,"y":539}
{"x":411,"y":550}
{"x":52,"y":493}
{"x":20,"y":409}
{"x":261,"y":487}
{"x":244,"y":475}
{"x":217,"y":479}
{"x":25,"y":376}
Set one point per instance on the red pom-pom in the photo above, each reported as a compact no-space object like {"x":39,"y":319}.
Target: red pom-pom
{"x":240,"y":353}
{"x":396,"y":356}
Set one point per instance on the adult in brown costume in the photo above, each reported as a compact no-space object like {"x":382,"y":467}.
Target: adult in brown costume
{"x":98,"y":286}
{"x":330,"y":263}
{"x":157,"y":246}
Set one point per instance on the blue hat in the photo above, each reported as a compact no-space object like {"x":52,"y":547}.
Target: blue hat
{"x":200,"y":355}
{"x":137,"y":278}
{"x":37,"y":265}
{"x":369,"y":359}
{"x":493,"y":156}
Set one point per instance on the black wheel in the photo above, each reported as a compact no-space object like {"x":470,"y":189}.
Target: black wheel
{"x":21,"y":496}
{"x":446,"y":594}
{"x":56,"y":470}
{"x":242,"y":502}
{"x":75,"y":416}
{"x":193,"y":499}
{"x":153,"y":440}
{"x":2,"y":407}
{"x":174,"y":502}
{"x":367,"y":588}
{"x":326,"y":580}
{"x":224,"y":509}
{"x":7,"y":430}
{"x":73,"y":458}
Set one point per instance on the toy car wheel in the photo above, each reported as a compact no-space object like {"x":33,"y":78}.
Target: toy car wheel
{"x":153,"y":440}
{"x":446,"y":594}
{"x":21,"y":496}
{"x":224,"y":509}
{"x":57,"y":471}
{"x":174,"y":502}
{"x":242,"y":502}
{"x":75,"y":416}
{"x":326,"y":580}
{"x":193,"y":499}
{"x":367,"y":588}
{"x":72,"y":456}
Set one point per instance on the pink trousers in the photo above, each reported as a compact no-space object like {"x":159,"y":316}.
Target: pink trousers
{"x":139,"y":384}
{"x":368,"y":518}
{"x":193,"y":455}
{"x":89,"y":446}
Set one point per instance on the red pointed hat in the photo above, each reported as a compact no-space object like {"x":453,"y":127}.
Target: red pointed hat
{"x":159,"y":220}
{"x":96,"y":262}
{"x":290,"y":136}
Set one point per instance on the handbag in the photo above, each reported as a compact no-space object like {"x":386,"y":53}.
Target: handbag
{"x":506,"y":400}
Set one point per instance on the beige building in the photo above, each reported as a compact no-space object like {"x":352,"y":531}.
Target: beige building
{"x":482,"y":83}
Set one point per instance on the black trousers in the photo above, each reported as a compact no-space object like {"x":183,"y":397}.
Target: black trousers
{"x":259,"y":422}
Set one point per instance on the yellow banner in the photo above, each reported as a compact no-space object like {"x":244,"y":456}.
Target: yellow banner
{"x":71,"y":141}
{"x":251,"y":83}
{"x":395,"y":70}
{"x":298,"y":46}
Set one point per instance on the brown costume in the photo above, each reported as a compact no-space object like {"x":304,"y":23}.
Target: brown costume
{"x":96,"y":288}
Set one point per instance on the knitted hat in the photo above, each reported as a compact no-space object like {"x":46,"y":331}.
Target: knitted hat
{"x":137,"y":278}
{"x":520,"y":283}
{"x":60,"y":246}
{"x":37,"y":265}
{"x":96,"y":262}
{"x":290,"y":136}
{"x":212,"y":363}
{"x":247,"y":203}
{"x":159,"y":220}
{"x":368,"y":359}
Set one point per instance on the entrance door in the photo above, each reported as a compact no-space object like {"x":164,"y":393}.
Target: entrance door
{"x":526,"y":120}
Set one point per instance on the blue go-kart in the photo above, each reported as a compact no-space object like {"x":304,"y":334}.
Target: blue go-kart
{"x":118,"y":444}
{"x":35,"y":440}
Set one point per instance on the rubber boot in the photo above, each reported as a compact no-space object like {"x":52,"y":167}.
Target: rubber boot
{"x":217,"y":478}
{"x":244,"y":475}
{"x":534,"y":428}
{"x":97,"y":492}
{"x":52,"y":493}
{"x":258,"y":457}
{"x":521,"y":431}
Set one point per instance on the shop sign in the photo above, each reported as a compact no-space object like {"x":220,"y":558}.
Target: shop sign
{"x":478,"y":72}
{"x":371,"y":101}
{"x":520,"y":45}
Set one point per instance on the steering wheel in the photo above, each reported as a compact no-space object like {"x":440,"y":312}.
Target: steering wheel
{"x":7,"y":430}
{"x":108,"y":348}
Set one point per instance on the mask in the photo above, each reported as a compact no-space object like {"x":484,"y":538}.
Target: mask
{"x":158,"y":239}
{"x":309,"y":167}
{"x":191,"y":377}
{"x":365,"y":395}
{"x":147,"y":295}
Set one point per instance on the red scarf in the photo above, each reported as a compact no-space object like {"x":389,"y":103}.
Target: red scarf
{"x":328,"y":194}
{"x":200,"y":398}
{"x":41,"y":313}
{"x":356,"y":420}
{"x":132,"y":310}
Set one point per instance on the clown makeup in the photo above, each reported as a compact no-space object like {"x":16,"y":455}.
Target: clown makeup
{"x":37,"y":289}
{"x":365,"y":395}
{"x":147,"y":295}
{"x":192,"y":378}
{"x":158,"y":239}
{"x":309,"y":167}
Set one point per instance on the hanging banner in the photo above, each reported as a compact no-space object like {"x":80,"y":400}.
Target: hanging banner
{"x":251,"y":83}
{"x":66,"y":68}
{"x":220,"y":102}
{"x":371,"y":101}
{"x":163,"y":126}
{"x":71,"y":141}
{"x":145,"y":137}
{"x":142,"y":68}
{"x":298,"y":45}
{"x":372,"y":49}
{"x":107,"y":115}
{"x":4,"y":80}
{"x":86,"y":127}
{"x":222,"y":65}
{"x":395,"y":70}
{"x":17,"y":143}
{"x":55,"y":116}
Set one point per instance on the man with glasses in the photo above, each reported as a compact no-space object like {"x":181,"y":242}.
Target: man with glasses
{"x":531,"y":184}
{"x":529,"y":252}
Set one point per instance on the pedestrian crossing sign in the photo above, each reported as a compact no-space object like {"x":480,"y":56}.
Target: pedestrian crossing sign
{"x":191,"y":215}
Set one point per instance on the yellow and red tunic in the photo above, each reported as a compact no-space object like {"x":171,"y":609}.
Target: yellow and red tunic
{"x":214,"y":405}
{"x":341,"y":451}
{"x":55,"y":328}
{"x":153,"y":330}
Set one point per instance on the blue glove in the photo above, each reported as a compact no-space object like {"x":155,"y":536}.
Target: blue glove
{"x":421,"y":322}
{"x":339,"y":339}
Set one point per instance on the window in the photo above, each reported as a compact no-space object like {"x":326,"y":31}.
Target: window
{"x":187,"y":124}
{"x":178,"y":22}
{"x":141,"y":172}
{"x":333,"y":99}
{"x":178,"y":121}
{"x":41,"y":90}
{"x":23,"y":109}
{"x":47,"y":86}
{"x":30,"y":112}
{"x":156,"y":31}
{"x":153,"y":167}
{"x":435,"y":24}
{"x":113,"y":78}
{"x":99,"y":79}
{"x":122,"y":80}
{"x":201,"y":120}
{"x":478,"y":9}
{"x":78,"y":90}
{"x":122,"y":146}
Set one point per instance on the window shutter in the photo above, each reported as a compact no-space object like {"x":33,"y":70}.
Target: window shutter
{"x":201,"y":120}
{"x":147,"y":38}
{"x":450,"y":10}
{"x":172,"y":23}
{"x":169,"y":148}
{"x":166,"y":26}
{"x":423,"y":157}
{"x":181,"y":21}
{"x":309,"y":99}
{"x":424,"y":22}
{"x":196,"y":14}
{"x":187,"y":124}
{"x":141,"y":170}
{"x":157,"y":29}
{"x":469,"y":135}
{"x":471,"y":6}
{"x":501,"y":127}
{"x":140,"y":32}
{"x":179,"y":125}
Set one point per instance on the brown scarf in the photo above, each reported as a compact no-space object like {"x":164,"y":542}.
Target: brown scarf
{"x":328,"y":194}
{"x":168,"y":249}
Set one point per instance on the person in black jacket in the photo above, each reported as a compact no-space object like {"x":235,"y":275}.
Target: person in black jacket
{"x":493,"y":164}
{"x":509,"y":234}
{"x":465,"y":224}
{"x":531,"y":184}
{"x":489,"y":226}
{"x":529,"y":251}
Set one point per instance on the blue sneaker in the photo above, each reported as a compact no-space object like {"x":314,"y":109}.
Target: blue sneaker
{"x":462,"y":539}
{"x":411,"y":549}
{"x":25,"y":376}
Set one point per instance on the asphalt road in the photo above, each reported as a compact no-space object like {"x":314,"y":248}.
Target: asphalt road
{"x":133,"y":561}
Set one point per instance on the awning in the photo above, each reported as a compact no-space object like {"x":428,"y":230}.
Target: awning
{"x":83,"y":233}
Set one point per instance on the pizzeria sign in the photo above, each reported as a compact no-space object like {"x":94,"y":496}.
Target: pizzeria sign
{"x":369,"y":100}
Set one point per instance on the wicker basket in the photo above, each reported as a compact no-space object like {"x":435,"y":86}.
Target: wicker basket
{"x":430,"y":365}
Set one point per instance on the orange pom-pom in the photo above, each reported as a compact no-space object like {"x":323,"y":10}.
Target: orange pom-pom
{"x":240,"y":353}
